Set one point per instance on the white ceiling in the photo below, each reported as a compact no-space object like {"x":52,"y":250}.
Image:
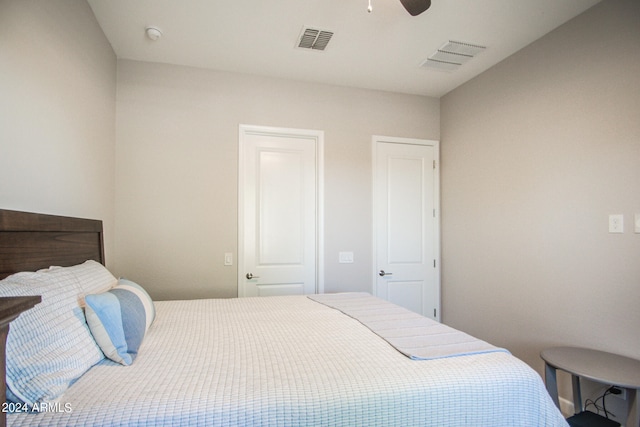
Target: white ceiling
{"x":379,"y":50}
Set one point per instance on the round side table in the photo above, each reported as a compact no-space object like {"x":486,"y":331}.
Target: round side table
{"x":595,"y":365}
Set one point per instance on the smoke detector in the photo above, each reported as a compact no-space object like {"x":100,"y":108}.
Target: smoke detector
{"x":153,"y":33}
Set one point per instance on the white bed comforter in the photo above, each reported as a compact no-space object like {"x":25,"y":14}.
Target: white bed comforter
{"x":289,"y":361}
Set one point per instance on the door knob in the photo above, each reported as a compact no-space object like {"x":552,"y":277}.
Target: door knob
{"x":382,"y":273}
{"x":251,"y":276}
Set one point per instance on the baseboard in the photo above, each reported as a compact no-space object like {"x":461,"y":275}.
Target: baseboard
{"x":566,"y":407}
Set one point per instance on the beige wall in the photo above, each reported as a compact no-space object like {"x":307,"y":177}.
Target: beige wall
{"x":57,"y":111}
{"x":176,"y":169}
{"x":536,"y":153}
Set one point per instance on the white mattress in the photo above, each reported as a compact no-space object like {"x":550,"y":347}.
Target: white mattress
{"x":289,"y":361}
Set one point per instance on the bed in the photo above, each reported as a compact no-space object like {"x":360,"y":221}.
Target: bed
{"x":329,"y":360}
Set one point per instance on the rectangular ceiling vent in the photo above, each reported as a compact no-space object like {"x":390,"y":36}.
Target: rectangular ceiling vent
{"x":440,"y":65}
{"x":451,"y":55}
{"x":314,"y":39}
{"x":462,"y":48}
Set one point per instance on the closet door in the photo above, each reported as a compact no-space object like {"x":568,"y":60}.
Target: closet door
{"x":406,"y":224}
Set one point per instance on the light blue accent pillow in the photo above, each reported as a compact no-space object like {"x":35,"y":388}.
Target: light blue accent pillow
{"x":119,"y":320}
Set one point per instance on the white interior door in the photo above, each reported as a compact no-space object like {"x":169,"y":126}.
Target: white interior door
{"x":279,"y":207}
{"x":406,"y":226}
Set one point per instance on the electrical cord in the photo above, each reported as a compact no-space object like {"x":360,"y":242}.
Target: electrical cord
{"x":602,"y":408}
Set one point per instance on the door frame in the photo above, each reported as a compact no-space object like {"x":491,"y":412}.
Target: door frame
{"x":375,"y":139}
{"x":318,"y":137}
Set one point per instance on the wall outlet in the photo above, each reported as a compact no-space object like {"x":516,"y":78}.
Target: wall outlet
{"x":616,"y":223}
{"x":620,"y":393}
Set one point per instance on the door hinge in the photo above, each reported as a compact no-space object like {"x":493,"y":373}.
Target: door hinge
{"x":434,"y":164}
{"x":434,"y":313}
{"x":434,"y":263}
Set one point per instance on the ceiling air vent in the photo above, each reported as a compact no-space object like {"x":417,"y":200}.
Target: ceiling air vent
{"x":440,"y":65}
{"x":312,"y":38}
{"x":451,"y":55}
{"x":462,"y":48}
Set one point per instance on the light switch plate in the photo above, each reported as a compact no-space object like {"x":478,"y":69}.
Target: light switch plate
{"x":345,"y":257}
{"x":228,"y":258}
{"x":637,"y":222}
{"x":616,"y":223}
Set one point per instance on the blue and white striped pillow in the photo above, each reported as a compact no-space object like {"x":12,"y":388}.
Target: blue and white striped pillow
{"x":119,"y":319}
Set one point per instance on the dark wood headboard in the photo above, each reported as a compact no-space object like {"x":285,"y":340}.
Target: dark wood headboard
{"x":31,"y":241}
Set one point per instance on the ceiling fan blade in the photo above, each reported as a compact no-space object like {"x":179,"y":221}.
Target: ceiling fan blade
{"x":416,"y":7}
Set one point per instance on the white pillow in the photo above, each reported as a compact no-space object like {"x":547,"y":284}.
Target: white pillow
{"x":91,"y":277}
{"x":49,"y":346}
